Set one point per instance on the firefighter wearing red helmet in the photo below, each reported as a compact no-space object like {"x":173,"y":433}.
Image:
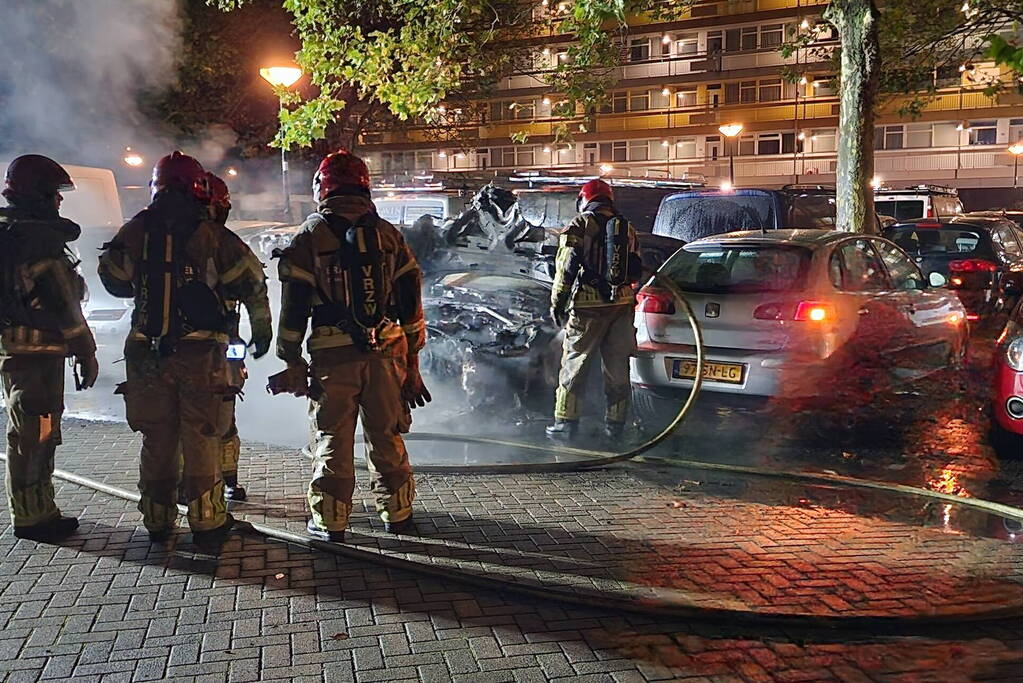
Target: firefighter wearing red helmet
{"x":350,"y":274}
{"x":182,"y":268}
{"x":41,"y":323}
{"x":593,"y":298}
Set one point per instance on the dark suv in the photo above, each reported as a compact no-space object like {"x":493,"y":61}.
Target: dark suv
{"x":973,"y":252}
{"x":691,"y":215}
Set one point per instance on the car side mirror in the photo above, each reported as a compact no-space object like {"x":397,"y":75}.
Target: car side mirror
{"x":936,"y":279}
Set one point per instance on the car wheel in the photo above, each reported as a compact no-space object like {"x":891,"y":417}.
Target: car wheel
{"x":652,"y":411}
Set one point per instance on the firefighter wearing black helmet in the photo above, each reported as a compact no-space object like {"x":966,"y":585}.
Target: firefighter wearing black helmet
{"x":593,"y":298}
{"x":180,"y":267}
{"x":351,"y":274}
{"x":41,"y":323}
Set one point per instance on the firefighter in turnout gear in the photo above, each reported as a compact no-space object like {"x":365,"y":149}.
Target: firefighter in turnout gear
{"x":230,"y":447}
{"x":41,"y":323}
{"x":180,"y":267}
{"x":353,"y":276}
{"x":593,"y":298}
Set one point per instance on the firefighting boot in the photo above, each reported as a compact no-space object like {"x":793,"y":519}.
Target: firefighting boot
{"x":212,"y":540}
{"x":325,"y":534}
{"x":48,"y":532}
{"x":405,"y":526}
{"x":562,"y":429}
{"x":160,"y":537}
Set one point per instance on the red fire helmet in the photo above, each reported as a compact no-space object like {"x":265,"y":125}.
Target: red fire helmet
{"x":595,"y":188}
{"x":219,"y":193}
{"x":340,"y":171}
{"x":33,"y":175}
{"x":180,"y":171}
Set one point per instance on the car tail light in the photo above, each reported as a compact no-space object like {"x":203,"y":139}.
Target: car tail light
{"x":930,"y":212}
{"x":973,"y":317}
{"x":972,"y":265}
{"x":928,"y":224}
{"x":655,"y":300}
{"x":809,"y":311}
{"x":814,"y":311}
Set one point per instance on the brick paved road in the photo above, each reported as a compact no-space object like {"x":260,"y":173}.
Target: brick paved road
{"x":109,"y":605}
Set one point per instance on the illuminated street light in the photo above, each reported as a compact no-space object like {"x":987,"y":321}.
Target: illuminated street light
{"x":233,"y":172}
{"x":131,"y":158}
{"x":666,"y":91}
{"x":1015,"y":150}
{"x":665,"y":39}
{"x":875,"y":182}
{"x":726,"y":185}
{"x":730,"y":130}
{"x":283,"y":77}
{"x":606,"y":169}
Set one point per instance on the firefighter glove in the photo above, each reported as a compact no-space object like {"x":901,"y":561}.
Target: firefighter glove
{"x":414,"y":393}
{"x":262,"y":336}
{"x":293,"y":380}
{"x":87,"y":368}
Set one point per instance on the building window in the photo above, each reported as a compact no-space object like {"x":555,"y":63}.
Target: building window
{"x":983,"y":132}
{"x":918,"y":135}
{"x":748,"y":38}
{"x":639,"y":50}
{"x":747,"y":146}
{"x":770,"y":90}
{"x":769,"y":143}
{"x":639,"y":150}
{"x":1015,"y":130}
{"x":888,"y":137}
{"x":639,"y":101}
{"x":658,"y":150}
{"x":619,"y":151}
{"x":525,"y":110}
{"x":823,"y":140}
{"x":748,"y":91}
{"x":714,"y":42}
{"x":687,"y":46}
{"x":771,"y":35}
{"x":685,"y":98}
{"x":524,"y":156}
{"x":507,"y":156}
{"x":685,"y":148}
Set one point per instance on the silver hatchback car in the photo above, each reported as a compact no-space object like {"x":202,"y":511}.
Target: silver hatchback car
{"x":789,"y":313}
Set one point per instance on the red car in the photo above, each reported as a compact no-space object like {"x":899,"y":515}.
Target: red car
{"x":1007,"y":393}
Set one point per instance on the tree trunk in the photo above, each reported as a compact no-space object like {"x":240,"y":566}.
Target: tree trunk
{"x":856,"y":21}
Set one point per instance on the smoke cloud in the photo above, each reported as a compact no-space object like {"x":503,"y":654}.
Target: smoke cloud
{"x":74,"y":70}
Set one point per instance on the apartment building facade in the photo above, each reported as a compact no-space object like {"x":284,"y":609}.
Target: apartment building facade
{"x":721,"y":64}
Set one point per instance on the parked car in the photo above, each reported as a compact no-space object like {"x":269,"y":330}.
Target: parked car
{"x":1007,"y":387}
{"x":695,"y":214}
{"x":790,"y":313}
{"x":918,"y":201}
{"x":972,"y":251}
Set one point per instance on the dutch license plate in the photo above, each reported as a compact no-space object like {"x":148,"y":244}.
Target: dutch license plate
{"x":728,"y":373}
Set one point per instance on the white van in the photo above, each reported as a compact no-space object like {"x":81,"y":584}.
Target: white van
{"x":403,"y":206}
{"x":918,"y":201}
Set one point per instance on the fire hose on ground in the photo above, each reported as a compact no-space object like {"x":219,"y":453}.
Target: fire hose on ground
{"x":589,"y":459}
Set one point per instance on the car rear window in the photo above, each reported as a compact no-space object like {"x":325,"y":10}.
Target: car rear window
{"x":690,"y":218}
{"x":923,"y":241}
{"x":946,"y":206}
{"x":811,"y":211}
{"x":723,"y":269}
{"x":900,"y":209}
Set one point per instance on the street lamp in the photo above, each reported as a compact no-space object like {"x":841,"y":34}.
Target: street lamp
{"x":133,"y":159}
{"x":730,"y":130}
{"x":1015,"y":150}
{"x":283,"y":77}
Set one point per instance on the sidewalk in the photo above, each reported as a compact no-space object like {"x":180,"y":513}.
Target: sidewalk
{"x":108,"y":602}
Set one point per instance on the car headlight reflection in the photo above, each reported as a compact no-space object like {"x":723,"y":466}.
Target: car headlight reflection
{"x":1014,"y":354}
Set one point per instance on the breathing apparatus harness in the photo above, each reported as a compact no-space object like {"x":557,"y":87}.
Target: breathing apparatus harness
{"x":610,"y":265}
{"x":359,"y":290}
{"x":173,"y":300}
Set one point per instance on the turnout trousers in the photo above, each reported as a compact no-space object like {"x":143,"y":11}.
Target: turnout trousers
{"x":34,"y":394}
{"x":230,"y":447}
{"x":349,"y":384}
{"x":607,"y":333}
{"x":177,"y":401}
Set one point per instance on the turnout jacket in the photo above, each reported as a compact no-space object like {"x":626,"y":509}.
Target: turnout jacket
{"x":583,"y":242}
{"x":304,"y":274}
{"x":226,"y":265}
{"x":47,"y":318}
